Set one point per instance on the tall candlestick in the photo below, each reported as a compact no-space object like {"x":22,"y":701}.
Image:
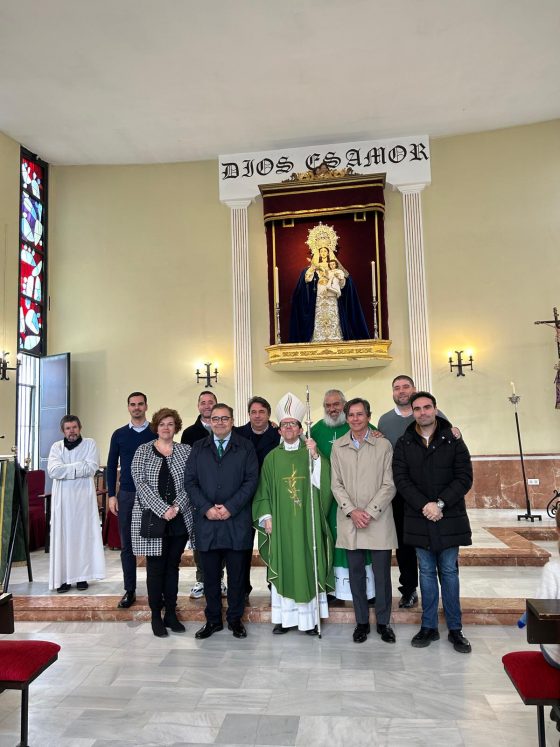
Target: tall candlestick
{"x":373,"y":280}
{"x":276,"y":286}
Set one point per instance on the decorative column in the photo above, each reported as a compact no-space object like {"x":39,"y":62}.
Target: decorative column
{"x":416,"y":281}
{"x":243,"y":376}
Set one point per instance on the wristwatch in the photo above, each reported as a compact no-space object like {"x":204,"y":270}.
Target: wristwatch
{"x":440,"y":504}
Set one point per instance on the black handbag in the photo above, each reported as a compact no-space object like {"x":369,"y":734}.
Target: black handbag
{"x":152,"y":526}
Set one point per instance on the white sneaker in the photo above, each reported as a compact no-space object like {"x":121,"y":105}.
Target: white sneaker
{"x":224,"y":589}
{"x":197,"y":590}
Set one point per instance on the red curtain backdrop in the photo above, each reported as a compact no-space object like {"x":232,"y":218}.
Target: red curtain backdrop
{"x":361,"y":240}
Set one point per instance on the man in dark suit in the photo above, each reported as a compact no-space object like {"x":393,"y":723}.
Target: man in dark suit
{"x":264,"y":436}
{"x":200,"y":429}
{"x":221,"y":478}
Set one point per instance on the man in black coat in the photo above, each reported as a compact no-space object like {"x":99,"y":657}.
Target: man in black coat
{"x":221,"y":478}
{"x":433,"y":472}
{"x":264,"y":436}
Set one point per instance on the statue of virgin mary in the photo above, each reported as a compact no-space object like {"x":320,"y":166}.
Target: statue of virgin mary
{"x":325,"y":303}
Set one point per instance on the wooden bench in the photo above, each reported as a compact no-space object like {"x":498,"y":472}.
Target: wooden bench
{"x":21,"y":662}
{"x":536,"y":682}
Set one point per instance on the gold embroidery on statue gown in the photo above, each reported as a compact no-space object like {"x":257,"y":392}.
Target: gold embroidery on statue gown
{"x":329,"y":287}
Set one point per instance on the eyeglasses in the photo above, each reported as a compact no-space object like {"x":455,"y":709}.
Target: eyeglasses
{"x":289,"y":425}
{"x":217,"y":419}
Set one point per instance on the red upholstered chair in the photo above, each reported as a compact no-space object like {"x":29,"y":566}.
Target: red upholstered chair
{"x":37,"y":524}
{"x":536,"y":682}
{"x":20,"y":663}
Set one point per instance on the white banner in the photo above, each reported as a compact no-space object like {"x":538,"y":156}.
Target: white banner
{"x":404,"y":160}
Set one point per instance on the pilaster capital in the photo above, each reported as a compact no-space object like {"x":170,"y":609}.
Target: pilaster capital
{"x":409,"y":189}
{"x":238,"y":204}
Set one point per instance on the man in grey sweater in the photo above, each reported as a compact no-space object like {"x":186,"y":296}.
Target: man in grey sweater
{"x":393,"y":425}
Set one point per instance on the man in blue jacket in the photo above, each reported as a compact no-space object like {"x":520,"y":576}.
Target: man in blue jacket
{"x":221,"y":478}
{"x":124,"y":443}
{"x":433,"y":472}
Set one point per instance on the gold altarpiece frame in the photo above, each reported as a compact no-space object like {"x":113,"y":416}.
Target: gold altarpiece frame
{"x":352,"y":206}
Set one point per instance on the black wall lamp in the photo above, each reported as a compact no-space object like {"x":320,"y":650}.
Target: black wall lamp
{"x":206,"y":376}
{"x":461,"y":364}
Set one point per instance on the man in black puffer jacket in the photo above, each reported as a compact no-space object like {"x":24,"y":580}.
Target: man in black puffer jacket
{"x":433,"y":472}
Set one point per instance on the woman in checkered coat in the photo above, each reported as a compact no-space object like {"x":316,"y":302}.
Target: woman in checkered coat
{"x":158,"y":469}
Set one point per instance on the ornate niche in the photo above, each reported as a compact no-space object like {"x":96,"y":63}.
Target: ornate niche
{"x":326,"y":271}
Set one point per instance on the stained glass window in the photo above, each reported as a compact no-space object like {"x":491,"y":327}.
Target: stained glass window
{"x":33,"y":254}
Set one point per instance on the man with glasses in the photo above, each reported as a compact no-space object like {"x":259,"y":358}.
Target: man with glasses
{"x":221,"y":477}
{"x":282,"y":514}
{"x":200,"y":429}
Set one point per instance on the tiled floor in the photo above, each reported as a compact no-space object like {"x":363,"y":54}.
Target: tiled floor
{"x":115,"y":684}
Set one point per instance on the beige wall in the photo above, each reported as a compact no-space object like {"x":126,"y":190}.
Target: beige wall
{"x":9,"y":237}
{"x":140,"y":287}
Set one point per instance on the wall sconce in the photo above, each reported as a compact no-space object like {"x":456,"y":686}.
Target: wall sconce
{"x":461,"y":364}
{"x":206,"y":376}
{"x":4,"y":368}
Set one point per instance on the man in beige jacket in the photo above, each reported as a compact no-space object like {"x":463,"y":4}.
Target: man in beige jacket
{"x":362,"y":484}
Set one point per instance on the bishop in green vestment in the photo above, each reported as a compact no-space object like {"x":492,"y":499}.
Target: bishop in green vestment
{"x":282,"y":517}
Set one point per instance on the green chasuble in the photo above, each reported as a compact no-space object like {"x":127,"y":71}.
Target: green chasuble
{"x":325,"y":435}
{"x":284,"y":493}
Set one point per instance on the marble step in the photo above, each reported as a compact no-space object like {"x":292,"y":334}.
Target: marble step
{"x":57,"y":608}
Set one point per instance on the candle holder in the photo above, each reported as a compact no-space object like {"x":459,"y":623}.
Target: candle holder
{"x":207,"y":377}
{"x":461,"y":364}
{"x":527,"y":516}
{"x":277,"y":322}
{"x":374,"y":303}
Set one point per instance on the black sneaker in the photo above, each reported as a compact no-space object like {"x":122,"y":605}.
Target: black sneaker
{"x":424,"y":637}
{"x":459,"y":641}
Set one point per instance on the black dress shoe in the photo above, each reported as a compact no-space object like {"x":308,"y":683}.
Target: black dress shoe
{"x":170,"y":621}
{"x":312,"y":631}
{"x":237,"y":628}
{"x":409,"y":600}
{"x":209,"y":629}
{"x":459,"y":641}
{"x":387,"y":633}
{"x":158,"y":628}
{"x":424,"y":637}
{"x":128,"y":599}
{"x":279,"y":629}
{"x":360,"y":633}
{"x":63,"y":588}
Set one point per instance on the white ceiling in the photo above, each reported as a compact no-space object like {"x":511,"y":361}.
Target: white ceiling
{"x":145,"y":81}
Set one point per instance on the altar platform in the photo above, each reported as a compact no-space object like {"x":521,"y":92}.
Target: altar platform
{"x":498,"y":572}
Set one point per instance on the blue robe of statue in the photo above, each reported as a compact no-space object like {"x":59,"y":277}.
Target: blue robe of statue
{"x":352,"y":321}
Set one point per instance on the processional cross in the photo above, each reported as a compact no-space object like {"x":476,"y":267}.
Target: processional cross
{"x":555,"y":323}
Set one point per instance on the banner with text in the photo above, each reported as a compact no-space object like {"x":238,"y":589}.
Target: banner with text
{"x":405,"y":161}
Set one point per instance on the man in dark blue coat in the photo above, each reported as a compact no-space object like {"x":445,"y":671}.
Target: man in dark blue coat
{"x":221,"y":478}
{"x":433,"y":472}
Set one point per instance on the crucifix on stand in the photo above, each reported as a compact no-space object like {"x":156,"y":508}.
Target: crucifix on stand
{"x":555,"y":323}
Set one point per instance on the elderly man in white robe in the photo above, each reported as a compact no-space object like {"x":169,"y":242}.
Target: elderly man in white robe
{"x":76,"y":550}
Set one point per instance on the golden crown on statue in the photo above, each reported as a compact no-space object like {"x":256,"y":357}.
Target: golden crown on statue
{"x":322,"y":236}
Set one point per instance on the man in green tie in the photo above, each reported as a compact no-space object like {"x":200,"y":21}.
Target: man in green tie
{"x":221,"y":478}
